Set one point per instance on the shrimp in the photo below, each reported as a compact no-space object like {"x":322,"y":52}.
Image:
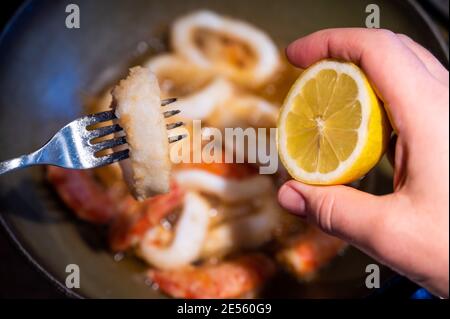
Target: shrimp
{"x":310,"y":251}
{"x":229,"y":279}
{"x":83,"y":194}
{"x":136,"y":218}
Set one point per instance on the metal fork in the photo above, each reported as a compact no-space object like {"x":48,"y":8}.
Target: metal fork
{"x":73,"y":146}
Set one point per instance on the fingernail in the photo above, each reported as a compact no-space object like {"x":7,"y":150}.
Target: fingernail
{"x":292,"y":201}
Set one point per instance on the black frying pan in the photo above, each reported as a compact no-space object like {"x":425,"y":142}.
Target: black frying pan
{"x":46,"y":70}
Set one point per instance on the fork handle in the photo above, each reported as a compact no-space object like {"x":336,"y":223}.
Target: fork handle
{"x":15,"y":163}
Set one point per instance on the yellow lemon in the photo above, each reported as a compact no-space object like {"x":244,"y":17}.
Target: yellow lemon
{"x":332,"y":128}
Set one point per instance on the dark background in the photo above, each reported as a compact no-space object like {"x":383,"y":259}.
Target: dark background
{"x":18,"y":278}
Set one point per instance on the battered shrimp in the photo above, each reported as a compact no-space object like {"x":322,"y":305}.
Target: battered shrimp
{"x":229,"y":279}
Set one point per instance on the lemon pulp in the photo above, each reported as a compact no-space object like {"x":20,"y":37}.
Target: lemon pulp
{"x":332,"y":128}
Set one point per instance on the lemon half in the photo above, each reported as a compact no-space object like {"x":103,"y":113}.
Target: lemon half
{"x":332,"y":128}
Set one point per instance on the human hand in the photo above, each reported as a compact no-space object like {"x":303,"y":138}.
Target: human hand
{"x":407,"y":230}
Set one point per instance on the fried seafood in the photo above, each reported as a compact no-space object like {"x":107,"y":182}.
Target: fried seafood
{"x":308,"y":252}
{"x":198,"y":91}
{"x":201,"y":227}
{"x":136,"y":218}
{"x":243,"y":229}
{"x":82,"y":194}
{"x":137,"y":105}
{"x":227,"y":46}
{"x":230,"y":279}
{"x":245,"y":110}
{"x":229,"y":190}
{"x":166,"y":249}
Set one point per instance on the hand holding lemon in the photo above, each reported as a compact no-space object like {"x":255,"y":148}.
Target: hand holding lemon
{"x":332,"y":130}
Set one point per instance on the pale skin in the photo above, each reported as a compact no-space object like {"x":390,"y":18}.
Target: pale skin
{"x":407,"y":230}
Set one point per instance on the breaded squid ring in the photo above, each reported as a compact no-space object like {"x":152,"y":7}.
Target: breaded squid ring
{"x":228,"y":46}
{"x":137,"y":105}
{"x":201,"y":93}
{"x":229,"y":190}
{"x":190,"y":232}
{"x":245,"y":110}
{"x":246,"y":232}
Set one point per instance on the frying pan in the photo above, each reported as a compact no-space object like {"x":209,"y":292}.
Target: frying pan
{"x":46,"y":73}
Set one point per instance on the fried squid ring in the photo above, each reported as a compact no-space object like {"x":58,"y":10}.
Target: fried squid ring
{"x":244,"y":232}
{"x":227,"y":46}
{"x":188,"y":237}
{"x":229,"y":190}
{"x":137,"y":105}
{"x":197,"y":91}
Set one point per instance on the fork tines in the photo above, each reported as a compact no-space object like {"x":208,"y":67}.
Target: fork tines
{"x":171,"y":113}
{"x":168,"y":101}
{"x":92,"y":119}
{"x":103,"y":145}
{"x":171,"y":126}
{"x":99,"y":132}
{"x":174,"y":125}
{"x":114,"y":157}
{"x":105,"y":130}
{"x":173,"y":139}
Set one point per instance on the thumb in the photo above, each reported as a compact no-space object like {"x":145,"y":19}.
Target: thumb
{"x":342,"y":211}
